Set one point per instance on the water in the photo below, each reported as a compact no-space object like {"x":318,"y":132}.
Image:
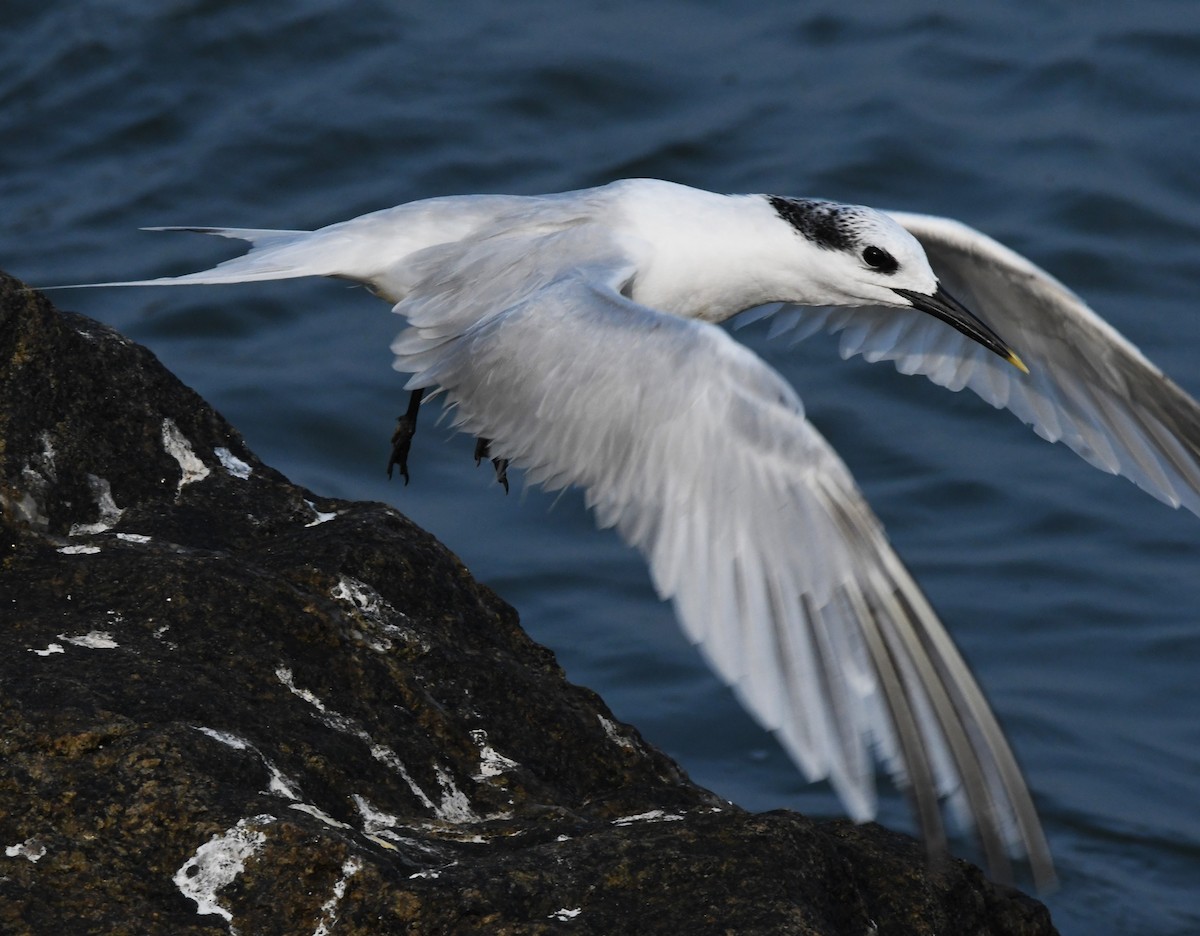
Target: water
{"x":1067,"y":130}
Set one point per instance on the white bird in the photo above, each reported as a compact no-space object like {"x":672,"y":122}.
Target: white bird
{"x":574,"y":332}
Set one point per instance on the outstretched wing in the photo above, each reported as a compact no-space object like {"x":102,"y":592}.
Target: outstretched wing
{"x":1087,"y":385}
{"x":700,"y":455}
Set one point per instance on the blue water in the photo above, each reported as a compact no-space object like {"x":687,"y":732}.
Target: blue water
{"x":1070,"y":131}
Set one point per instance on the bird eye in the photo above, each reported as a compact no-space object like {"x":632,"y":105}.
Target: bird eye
{"x":879,"y":259}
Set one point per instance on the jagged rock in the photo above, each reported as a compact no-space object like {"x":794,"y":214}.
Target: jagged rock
{"x":230,"y":704}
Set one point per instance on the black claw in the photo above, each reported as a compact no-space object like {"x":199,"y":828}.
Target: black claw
{"x":406,"y":427}
{"x":482,"y":451}
{"x":401,"y":442}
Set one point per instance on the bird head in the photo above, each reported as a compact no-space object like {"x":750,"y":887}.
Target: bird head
{"x":868,"y":259}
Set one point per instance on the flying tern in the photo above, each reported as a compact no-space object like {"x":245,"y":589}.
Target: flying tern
{"x":575,"y":335}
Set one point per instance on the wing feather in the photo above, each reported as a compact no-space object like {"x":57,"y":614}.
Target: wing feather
{"x":1088,"y":387}
{"x":700,"y":455}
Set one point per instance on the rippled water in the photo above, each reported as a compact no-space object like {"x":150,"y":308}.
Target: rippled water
{"x":1068,"y":131}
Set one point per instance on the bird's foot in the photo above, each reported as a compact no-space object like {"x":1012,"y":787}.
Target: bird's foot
{"x":401,"y":443}
{"x":482,"y":447}
{"x":406,"y":427}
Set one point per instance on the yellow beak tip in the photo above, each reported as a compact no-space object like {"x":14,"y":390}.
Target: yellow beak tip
{"x":1017,"y":363}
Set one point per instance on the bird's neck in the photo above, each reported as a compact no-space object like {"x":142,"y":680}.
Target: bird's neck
{"x":709,"y":256}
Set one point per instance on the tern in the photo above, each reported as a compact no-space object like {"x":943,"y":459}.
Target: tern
{"x":575,"y":334}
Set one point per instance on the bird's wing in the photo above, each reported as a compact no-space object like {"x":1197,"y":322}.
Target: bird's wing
{"x":700,"y":455}
{"x":1087,"y":385}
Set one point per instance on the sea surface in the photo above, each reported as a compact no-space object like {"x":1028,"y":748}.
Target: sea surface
{"x":1069,"y":131}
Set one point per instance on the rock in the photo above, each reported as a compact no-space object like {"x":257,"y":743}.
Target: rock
{"x":232,"y":705}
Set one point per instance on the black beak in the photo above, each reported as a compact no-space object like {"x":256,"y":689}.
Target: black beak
{"x":944,"y":306}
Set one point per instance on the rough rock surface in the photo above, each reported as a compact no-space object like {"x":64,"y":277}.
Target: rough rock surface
{"x":228,"y":704}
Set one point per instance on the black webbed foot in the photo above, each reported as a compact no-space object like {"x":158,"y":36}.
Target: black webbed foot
{"x":482,"y":447}
{"x":406,"y":427}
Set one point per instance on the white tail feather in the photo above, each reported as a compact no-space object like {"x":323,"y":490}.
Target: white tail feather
{"x":274,"y":255}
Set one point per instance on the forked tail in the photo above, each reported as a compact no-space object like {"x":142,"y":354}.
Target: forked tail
{"x":273,"y":255}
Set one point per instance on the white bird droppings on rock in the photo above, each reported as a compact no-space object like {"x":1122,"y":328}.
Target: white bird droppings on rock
{"x":317,"y":813}
{"x":491,"y":762}
{"x":320,"y":517}
{"x":231,"y":463}
{"x":93,"y":640}
{"x":217,"y":863}
{"x":180,"y":449}
{"x":655,"y":815}
{"x":79,"y":550}
{"x":110,"y":513}
{"x":350,"y":867}
{"x":278,"y":784}
{"x":30,"y":849}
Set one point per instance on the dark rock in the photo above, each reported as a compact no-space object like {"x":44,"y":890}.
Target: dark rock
{"x":221,"y":692}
